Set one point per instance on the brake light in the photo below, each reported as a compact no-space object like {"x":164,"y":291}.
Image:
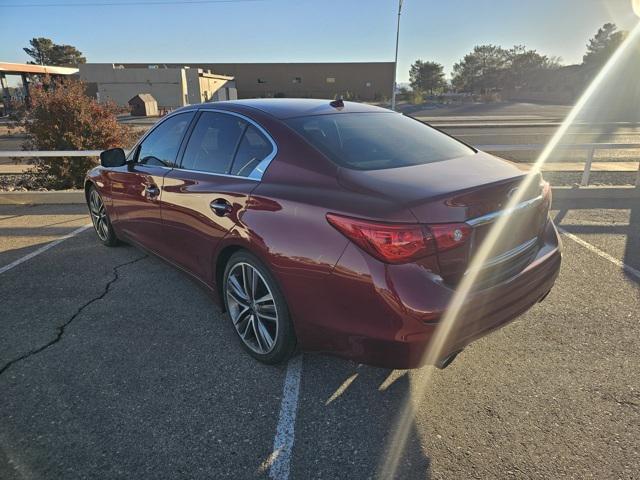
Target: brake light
{"x":400,"y":243}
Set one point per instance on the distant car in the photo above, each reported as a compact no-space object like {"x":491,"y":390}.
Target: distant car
{"x":329,"y":226}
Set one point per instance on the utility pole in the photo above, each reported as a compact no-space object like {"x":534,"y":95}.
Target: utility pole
{"x":395,"y":63}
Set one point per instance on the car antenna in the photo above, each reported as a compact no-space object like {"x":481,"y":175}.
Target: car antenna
{"x":337,"y":103}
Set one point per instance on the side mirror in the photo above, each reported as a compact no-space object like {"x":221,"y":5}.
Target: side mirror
{"x":114,"y":157}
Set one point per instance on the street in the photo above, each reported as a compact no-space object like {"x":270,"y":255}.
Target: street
{"x":517,"y":135}
{"x":114,"y":364}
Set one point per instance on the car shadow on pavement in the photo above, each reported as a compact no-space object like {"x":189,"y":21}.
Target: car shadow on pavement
{"x":347,"y":418}
{"x":604,"y":224}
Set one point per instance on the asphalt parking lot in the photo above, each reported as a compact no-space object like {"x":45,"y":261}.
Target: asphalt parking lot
{"x":115,"y":365}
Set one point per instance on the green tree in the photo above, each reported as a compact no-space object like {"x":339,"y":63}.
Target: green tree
{"x":482,"y":70}
{"x":63,"y":117}
{"x":426,"y":76}
{"x":524,"y":66}
{"x":45,"y":52}
{"x":40,"y":50}
{"x":490,"y":68}
{"x":607,"y":39}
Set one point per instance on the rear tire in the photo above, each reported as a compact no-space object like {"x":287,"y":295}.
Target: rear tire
{"x":100,"y":219}
{"x":257,"y":309}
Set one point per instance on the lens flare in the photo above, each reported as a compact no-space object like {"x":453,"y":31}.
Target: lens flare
{"x":636,"y":6}
{"x":433,"y":353}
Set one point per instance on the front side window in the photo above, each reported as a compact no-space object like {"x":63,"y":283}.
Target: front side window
{"x":374,"y":141}
{"x":161,"y":146}
{"x":254,"y":147}
{"x":213,"y":143}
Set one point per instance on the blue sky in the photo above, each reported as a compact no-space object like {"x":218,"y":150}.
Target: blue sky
{"x":307,"y":30}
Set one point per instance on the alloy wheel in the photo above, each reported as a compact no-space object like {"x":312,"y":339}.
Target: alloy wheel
{"x":252,"y":308}
{"x":99,"y":215}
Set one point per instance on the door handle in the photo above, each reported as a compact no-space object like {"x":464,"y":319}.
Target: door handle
{"x":220,"y":207}
{"x":151,"y":191}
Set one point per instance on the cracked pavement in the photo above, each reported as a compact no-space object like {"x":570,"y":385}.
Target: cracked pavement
{"x":60,"y":329}
{"x":122,"y":367}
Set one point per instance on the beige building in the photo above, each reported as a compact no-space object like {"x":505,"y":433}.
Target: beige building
{"x":358,"y":80}
{"x":171,"y":87}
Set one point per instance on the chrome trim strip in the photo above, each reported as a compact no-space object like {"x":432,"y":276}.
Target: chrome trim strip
{"x":145,"y":165}
{"x":239,"y":177}
{"x":491,"y":217}
{"x":506,"y":256}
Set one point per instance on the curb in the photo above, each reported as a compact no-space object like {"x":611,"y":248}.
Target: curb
{"x":490,"y":125}
{"x":42,"y":198}
{"x":77,"y":196}
{"x":444,"y":122}
{"x":600,"y":192}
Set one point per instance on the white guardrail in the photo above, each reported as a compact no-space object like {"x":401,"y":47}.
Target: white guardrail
{"x":590,"y":148}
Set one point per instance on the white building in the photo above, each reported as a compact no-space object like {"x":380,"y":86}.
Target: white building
{"x":171,"y":87}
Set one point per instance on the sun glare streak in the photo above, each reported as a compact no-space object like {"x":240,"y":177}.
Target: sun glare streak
{"x":635,"y":4}
{"x":434,"y":352}
{"x":341,"y":388}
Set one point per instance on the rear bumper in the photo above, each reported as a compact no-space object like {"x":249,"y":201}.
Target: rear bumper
{"x":386,"y":315}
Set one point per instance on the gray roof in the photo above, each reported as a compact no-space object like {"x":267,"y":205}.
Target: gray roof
{"x":145,"y":97}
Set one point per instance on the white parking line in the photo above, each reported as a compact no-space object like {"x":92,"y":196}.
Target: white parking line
{"x":44,"y":248}
{"x":627,"y":268}
{"x":280,"y":458}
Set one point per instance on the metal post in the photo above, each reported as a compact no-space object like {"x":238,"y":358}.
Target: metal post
{"x":587,"y":167}
{"x":6,"y":98}
{"x":25,"y":86}
{"x":395,"y":63}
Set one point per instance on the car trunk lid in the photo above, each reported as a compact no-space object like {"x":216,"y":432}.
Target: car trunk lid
{"x":471,"y":189}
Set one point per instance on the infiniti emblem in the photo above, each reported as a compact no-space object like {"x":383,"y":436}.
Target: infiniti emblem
{"x":512,"y":192}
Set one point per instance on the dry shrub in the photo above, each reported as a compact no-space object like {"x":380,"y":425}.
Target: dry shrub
{"x":63,"y":117}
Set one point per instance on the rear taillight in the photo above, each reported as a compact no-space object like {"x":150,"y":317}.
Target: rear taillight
{"x":400,"y":243}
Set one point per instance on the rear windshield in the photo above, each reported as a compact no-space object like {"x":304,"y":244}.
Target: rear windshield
{"x":372,"y":141}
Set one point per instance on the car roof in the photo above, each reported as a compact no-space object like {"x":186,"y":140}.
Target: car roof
{"x":296,"y":107}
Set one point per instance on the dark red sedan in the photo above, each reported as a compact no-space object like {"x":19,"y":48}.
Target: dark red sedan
{"x":328,"y":226}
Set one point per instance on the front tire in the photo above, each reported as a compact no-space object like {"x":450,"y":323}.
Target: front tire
{"x":258,"y":309}
{"x":100,"y":218}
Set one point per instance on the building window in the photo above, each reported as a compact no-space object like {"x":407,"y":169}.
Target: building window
{"x":297,"y":80}
{"x":262,"y":80}
{"x":331,"y":79}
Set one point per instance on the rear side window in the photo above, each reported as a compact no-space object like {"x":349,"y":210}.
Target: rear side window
{"x":254,"y":147}
{"x":161,"y":146}
{"x":373,"y":141}
{"x":213,"y":143}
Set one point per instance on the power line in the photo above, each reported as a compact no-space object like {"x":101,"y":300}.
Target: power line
{"x":125,"y":4}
